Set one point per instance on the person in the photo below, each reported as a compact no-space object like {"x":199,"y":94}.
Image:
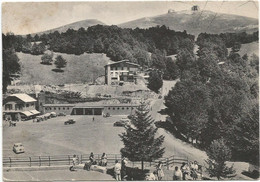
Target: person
{"x":117,"y":170}
{"x":177,"y":174}
{"x":123,"y":168}
{"x":194,"y":170}
{"x":93,"y":119}
{"x":74,"y":163}
{"x":184,"y":170}
{"x":151,"y":176}
{"x":160,"y":173}
{"x":92,"y":159}
{"x":103,"y":159}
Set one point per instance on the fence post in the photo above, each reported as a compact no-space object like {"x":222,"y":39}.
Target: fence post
{"x":49,"y":161}
{"x":30,"y":161}
{"x":40,"y":161}
{"x":10,"y":161}
{"x":167,"y":163}
{"x":69,"y":159}
{"x":80,"y":159}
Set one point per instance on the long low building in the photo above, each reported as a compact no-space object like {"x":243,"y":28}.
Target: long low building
{"x":91,"y":108}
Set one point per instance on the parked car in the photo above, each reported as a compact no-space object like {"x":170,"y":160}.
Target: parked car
{"x":53,"y":114}
{"x":18,"y":148}
{"x":122,"y":122}
{"x":62,"y":114}
{"x":70,"y":121}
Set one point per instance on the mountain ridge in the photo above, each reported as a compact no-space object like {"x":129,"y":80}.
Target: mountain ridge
{"x":75,"y":25}
{"x":195,"y":22}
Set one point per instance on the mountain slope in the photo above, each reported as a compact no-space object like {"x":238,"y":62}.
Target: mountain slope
{"x":76,"y":25}
{"x":195,"y":22}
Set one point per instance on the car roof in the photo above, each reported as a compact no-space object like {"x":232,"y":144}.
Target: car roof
{"x":18,"y":144}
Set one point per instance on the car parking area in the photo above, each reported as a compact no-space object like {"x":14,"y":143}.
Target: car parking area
{"x":53,"y":137}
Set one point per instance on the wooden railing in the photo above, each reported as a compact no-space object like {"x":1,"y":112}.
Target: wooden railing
{"x":61,"y":160}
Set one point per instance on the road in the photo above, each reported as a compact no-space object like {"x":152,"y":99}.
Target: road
{"x":174,"y":146}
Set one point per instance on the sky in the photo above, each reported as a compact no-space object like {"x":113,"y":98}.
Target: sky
{"x":24,"y":18}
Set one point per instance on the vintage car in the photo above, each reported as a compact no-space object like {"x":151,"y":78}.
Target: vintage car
{"x":62,"y":114}
{"x":18,"y":148}
{"x":122,"y":122}
{"x":70,"y":121}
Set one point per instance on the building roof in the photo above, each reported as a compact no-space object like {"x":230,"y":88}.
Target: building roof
{"x":127,"y":61}
{"x":23,"y":97}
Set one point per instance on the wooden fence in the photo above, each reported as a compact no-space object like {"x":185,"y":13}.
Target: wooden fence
{"x":61,"y":160}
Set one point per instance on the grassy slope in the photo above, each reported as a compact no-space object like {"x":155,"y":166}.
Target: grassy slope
{"x":249,"y":49}
{"x":79,"y":69}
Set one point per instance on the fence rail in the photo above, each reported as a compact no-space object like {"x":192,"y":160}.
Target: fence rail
{"x":59,"y":160}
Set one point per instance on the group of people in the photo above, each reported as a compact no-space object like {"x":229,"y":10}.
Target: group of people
{"x":187,"y":171}
{"x":120,"y":169}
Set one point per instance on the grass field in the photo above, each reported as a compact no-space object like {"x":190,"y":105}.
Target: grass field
{"x":80,"y":69}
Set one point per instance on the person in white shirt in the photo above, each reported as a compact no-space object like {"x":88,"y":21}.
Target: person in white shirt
{"x":117,"y":170}
{"x":177,"y":174}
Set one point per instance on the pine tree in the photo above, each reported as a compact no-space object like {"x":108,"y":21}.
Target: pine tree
{"x":218,"y":154}
{"x":139,"y":139}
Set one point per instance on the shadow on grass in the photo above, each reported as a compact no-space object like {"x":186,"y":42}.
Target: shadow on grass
{"x":133,"y":174}
{"x":58,"y":70}
{"x":46,"y":63}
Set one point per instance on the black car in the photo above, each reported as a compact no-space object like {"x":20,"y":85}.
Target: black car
{"x":70,"y":121}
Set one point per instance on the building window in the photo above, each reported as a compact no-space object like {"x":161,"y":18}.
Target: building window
{"x":27,"y":105}
{"x":8,"y":107}
{"x":59,"y":108}
{"x":46,"y":108}
{"x":54,"y":108}
{"x":68,"y":108}
{"x":123,"y":108}
{"x":63,"y":108}
{"x":113,"y":108}
{"x":118,"y":108}
{"x":127,"y":108}
{"x":109,"y":108}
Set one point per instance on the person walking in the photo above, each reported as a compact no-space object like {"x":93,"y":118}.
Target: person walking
{"x":93,"y":119}
{"x":74,"y":163}
{"x":117,"y":170}
{"x":177,"y":174}
{"x":159,"y":169}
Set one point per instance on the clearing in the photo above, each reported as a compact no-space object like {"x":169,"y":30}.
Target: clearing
{"x":80,"y":69}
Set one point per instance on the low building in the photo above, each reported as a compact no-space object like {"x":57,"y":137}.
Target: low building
{"x":121,"y":71}
{"x":19,"y":106}
{"x":58,"y":108}
{"x":91,"y":108}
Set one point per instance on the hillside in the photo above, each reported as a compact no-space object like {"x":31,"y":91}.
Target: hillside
{"x":79,"y":69}
{"x":76,"y":25}
{"x":249,"y":49}
{"x":195,"y":22}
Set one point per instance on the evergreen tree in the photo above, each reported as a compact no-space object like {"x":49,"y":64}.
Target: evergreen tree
{"x":218,"y":154}
{"x":139,"y":139}
{"x":60,"y":62}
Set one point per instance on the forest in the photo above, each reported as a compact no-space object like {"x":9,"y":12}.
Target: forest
{"x":217,"y":98}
